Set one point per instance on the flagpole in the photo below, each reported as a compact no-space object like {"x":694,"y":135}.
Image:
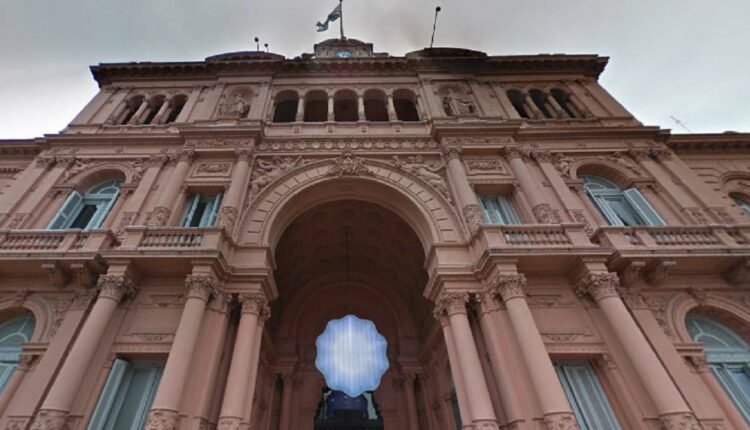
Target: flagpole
{"x":341,"y":23}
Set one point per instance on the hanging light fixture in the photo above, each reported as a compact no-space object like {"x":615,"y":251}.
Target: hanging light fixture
{"x":351,"y":353}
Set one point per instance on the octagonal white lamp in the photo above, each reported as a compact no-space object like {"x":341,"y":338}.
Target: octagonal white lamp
{"x":351,"y":355}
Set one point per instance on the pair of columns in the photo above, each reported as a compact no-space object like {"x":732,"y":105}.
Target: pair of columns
{"x":229,"y":210}
{"x":361,"y":115}
{"x":164,"y":414}
{"x":603,"y":287}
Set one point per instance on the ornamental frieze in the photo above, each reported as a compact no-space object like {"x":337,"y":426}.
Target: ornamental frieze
{"x":220,"y":142}
{"x":265,"y":172}
{"x":348,"y":145}
{"x":487,"y":166}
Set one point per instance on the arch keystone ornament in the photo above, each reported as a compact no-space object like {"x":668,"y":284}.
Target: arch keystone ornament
{"x":351,"y":355}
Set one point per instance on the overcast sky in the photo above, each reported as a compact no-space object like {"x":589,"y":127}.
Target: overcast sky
{"x":684,"y":58}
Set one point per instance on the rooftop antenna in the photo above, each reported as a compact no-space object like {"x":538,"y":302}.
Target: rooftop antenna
{"x":266,"y":45}
{"x":257,"y":43}
{"x":434,"y":25}
{"x":680,"y":124}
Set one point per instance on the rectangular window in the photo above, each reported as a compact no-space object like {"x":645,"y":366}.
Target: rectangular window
{"x":498,"y":209}
{"x":201,"y":210}
{"x":586,"y":396}
{"x":127,"y":395}
{"x":736,"y":381}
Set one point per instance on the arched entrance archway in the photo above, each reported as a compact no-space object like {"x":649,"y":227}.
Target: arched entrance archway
{"x":384,"y":284}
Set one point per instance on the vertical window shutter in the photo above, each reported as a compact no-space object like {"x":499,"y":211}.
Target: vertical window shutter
{"x":6,"y":371}
{"x":189,"y":210}
{"x":586,"y":394}
{"x":508,"y":212}
{"x":492,"y":209}
{"x":485,"y":209}
{"x":604,"y":208}
{"x":643,"y":208}
{"x":67,"y":212}
{"x":102,"y":210}
{"x":736,"y":383}
{"x":108,"y":395}
{"x":212,"y":211}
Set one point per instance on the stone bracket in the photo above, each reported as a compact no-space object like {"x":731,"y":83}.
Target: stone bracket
{"x":739,"y":273}
{"x":57,"y":275}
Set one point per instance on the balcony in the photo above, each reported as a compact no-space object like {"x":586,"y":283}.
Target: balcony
{"x":30,"y":243}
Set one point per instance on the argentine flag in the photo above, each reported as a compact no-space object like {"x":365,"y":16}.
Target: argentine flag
{"x":333,"y":16}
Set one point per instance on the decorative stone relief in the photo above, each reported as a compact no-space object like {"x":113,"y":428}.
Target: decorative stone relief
{"x":679,"y":421}
{"x":457,"y":102}
{"x":235,"y":104}
{"x":17,"y":220}
{"x":562,"y":163}
{"x":625,"y":162}
{"x":417,"y":166}
{"x":227,"y":218}
{"x":50,"y":420}
{"x":229,"y":423}
{"x":561,"y":421}
{"x":698,"y":215}
{"x":213,"y":169}
{"x":659,"y":306}
{"x":348,"y":165}
{"x":474,"y":217}
{"x":546,"y":215}
{"x":265,"y":172}
{"x":255,"y":303}
{"x":161,"y":419}
{"x":476,"y":140}
{"x":220,"y":143}
{"x":158,"y":217}
{"x":485,"y":167}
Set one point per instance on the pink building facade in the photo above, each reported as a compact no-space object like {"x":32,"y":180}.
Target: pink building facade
{"x":535,"y":256}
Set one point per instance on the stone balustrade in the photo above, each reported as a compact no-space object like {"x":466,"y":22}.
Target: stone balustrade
{"x":673,"y":238}
{"x":174,"y":238}
{"x":55,"y":241}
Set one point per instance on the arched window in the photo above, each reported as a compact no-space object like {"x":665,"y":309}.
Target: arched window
{"x":540,"y":100}
{"x":345,"y":106}
{"x":154,"y":106}
{"x":517,"y":99}
{"x":728,"y":356}
{"x":405,"y":104}
{"x":87,"y":211}
{"x":741,"y":201}
{"x":375,"y":106}
{"x":286,"y":107}
{"x":620,"y":207}
{"x":563,"y":99}
{"x":175,"y":108}
{"x":131,"y":108}
{"x":13,"y":334}
{"x":316,"y":106}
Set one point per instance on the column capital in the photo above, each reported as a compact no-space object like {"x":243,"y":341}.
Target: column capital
{"x":509,"y":286}
{"x":542,"y":156}
{"x":485,"y":302}
{"x":639,"y":154}
{"x":451,"y":303}
{"x":452,"y":152}
{"x":599,"y":285}
{"x":255,"y":303}
{"x":45,"y":161}
{"x":514,"y":151}
{"x":185,"y":155}
{"x":116,"y":287}
{"x":662,"y":154}
{"x":244,"y":154}
{"x":201,"y":286}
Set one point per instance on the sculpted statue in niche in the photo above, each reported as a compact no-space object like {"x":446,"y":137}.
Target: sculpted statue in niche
{"x":457,"y":103}
{"x":235,"y":105}
{"x":418,"y":167}
{"x":266,"y":172}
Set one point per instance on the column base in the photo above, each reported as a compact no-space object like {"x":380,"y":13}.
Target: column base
{"x":486,"y":425}
{"x":561,"y":421}
{"x":229,"y":423}
{"x":50,"y":419}
{"x":162,"y":419}
{"x":679,"y":421}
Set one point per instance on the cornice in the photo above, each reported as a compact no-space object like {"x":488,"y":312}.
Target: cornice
{"x":22,"y":147}
{"x":709,"y":142}
{"x":586,"y":65}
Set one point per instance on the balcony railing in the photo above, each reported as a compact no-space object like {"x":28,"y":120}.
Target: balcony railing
{"x":534,"y":236}
{"x":174,"y":239}
{"x":688,"y":238}
{"x":35,"y":241}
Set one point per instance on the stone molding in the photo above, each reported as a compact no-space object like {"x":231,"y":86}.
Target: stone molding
{"x":201,"y":286}
{"x":449,"y":303}
{"x":599,"y":286}
{"x":116,"y":287}
{"x":348,"y":165}
{"x":509,"y":286}
{"x":561,"y":421}
{"x":50,"y":419}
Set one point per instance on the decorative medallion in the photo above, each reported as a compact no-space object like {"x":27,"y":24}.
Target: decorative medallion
{"x":351,"y":355}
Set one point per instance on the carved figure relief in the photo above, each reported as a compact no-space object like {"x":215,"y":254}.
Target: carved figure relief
{"x":486,"y":166}
{"x":213,"y":169}
{"x":266,"y":172}
{"x":348,"y":165}
{"x":235,"y":105}
{"x":429,"y":173}
{"x":457,"y":103}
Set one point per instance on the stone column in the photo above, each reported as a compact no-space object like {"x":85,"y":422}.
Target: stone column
{"x":532,"y":190}
{"x":572,"y":205}
{"x":254,"y":365}
{"x":163,"y":112}
{"x":24,"y":364}
{"x":411,"y":400}
{"x":300,"y":117}
{"x":556,"y":107}
{"x":465,"y":196}
{"x":672,"y":408}
{"x":532,"y":108}
{"x":168,"y":195}
{"x":478,"y":396}
{"x":331,"y":114}
{"x":165,"y":410}
{"x":726,"y":403}
{"x":53,"y":415}
{"x":555,"y":407}
{"x":420,"y":107}
{"x":254,"y":306}
{"x":285,"y":417}
{"x":456,"y":374}
{"x":486,"y":313}
{"x":230,"y":205}
{"x":136,"y":118}
{"x":361,"y":115}
{"x":392,"y":116}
